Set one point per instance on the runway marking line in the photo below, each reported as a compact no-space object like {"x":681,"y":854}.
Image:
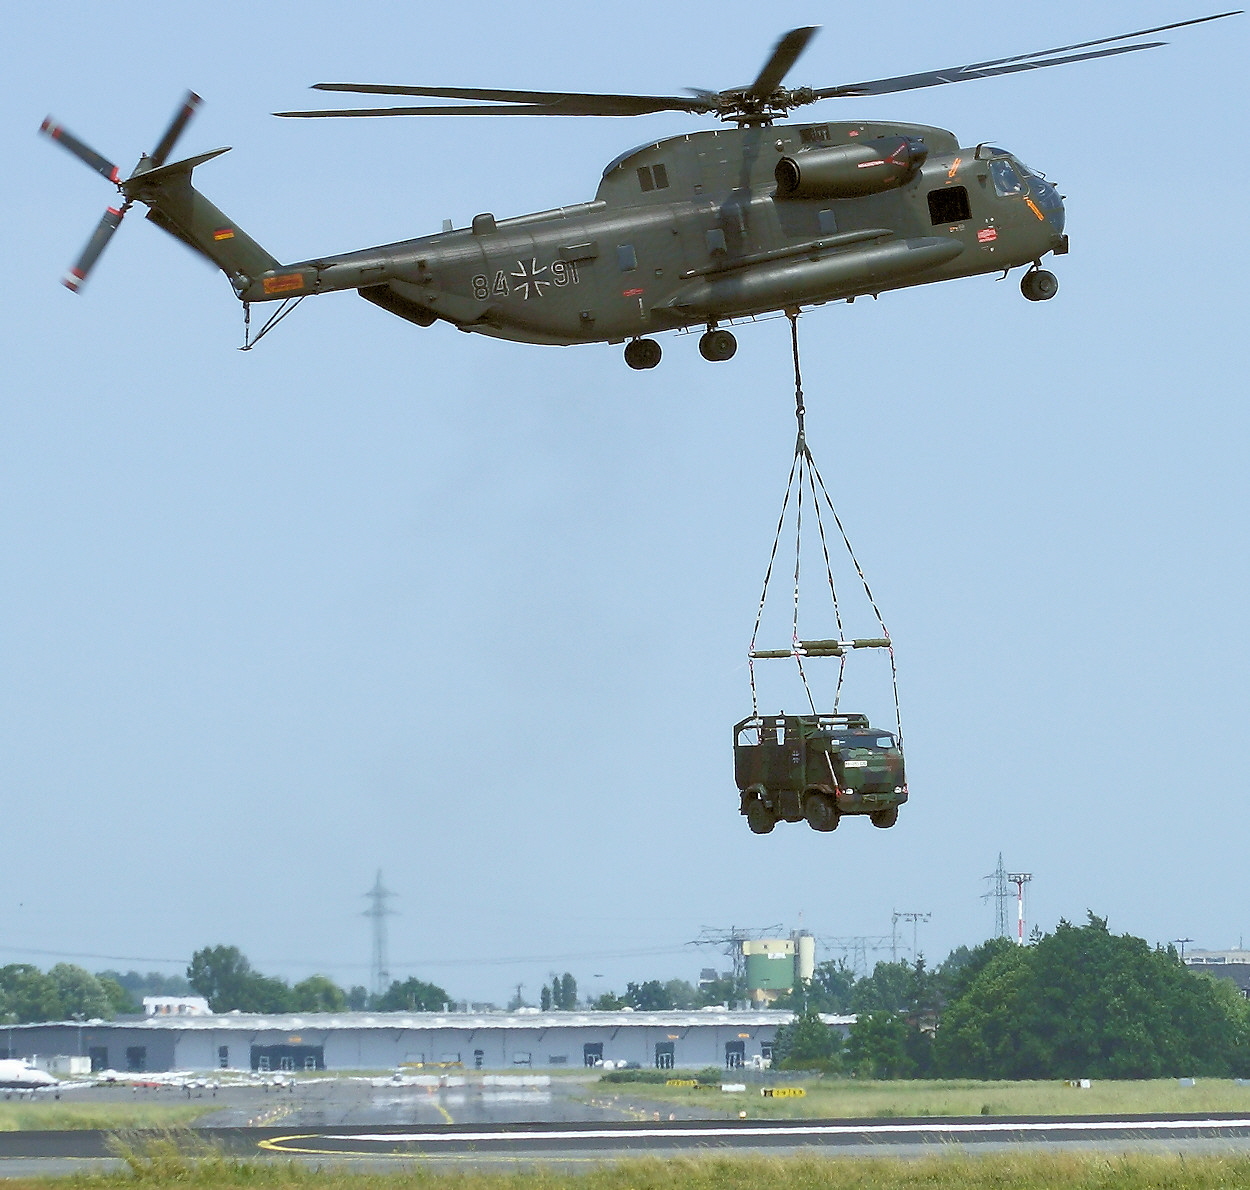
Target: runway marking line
{"x":281,"y":1144}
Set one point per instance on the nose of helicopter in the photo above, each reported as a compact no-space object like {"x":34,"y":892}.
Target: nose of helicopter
{"x":1049,"y":201}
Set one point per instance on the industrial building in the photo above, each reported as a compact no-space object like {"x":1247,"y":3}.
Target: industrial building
{"x":775,"y":966}
{"x":385,"y":1040}
{"x":1224,"y":964}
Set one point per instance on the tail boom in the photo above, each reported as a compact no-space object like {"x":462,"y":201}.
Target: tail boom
{"x":178,"y":208}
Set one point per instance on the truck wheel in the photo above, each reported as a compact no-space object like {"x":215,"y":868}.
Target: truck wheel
{"x":759,"y":817}
{"x":884,"y":818}
{"x":820,"y":812}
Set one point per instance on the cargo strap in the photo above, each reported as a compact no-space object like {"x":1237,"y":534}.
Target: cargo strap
{"x":805,"y":477}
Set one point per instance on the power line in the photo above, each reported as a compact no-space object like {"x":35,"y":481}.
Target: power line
{"x":1000,"y":894}
{"x":379,"y":972}
{"x":82,"y":954}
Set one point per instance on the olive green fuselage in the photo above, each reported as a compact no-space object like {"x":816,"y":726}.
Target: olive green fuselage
{"x":694,"y":230}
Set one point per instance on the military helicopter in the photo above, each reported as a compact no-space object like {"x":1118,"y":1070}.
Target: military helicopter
{"x":691,"y":231}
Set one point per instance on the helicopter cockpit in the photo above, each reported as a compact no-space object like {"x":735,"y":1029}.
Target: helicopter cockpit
{"x":1011,"y":177}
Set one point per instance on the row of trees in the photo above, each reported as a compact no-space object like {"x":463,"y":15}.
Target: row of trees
{"x":63,"y":993}
{"x":221,"y":974}
{"x":225,"y":978}
{"x":1080,"y":1002}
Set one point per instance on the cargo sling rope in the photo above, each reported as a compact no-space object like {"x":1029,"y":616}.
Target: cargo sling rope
{"x":288,"y":306}
{"x":805,"y":476}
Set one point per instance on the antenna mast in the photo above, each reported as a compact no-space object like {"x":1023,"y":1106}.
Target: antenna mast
{"x":1019,"y":879}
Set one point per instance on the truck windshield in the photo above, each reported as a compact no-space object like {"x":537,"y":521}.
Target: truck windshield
{"x":878,"y":741}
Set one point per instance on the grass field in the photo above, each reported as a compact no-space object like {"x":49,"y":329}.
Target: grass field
{"x":853,"y":1098}
{"x":17,"y":1116}
{"x":956,"y":1171}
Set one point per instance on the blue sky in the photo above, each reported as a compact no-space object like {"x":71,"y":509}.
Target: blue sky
{"x":476,"y":613}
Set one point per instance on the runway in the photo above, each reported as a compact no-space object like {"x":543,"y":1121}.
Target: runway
{"x":26,"y":1153}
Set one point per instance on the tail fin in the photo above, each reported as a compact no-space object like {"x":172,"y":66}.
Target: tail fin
{"x":177,"y":207}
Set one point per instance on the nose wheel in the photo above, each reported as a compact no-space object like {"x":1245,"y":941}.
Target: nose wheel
{"x":641,"y":354}
{"x":717,"y":346}
{"x":1038,"y":285}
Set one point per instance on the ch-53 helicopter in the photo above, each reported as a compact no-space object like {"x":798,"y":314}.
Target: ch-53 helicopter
{"x":691,"y":231}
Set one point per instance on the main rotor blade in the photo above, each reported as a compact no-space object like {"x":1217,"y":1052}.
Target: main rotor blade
{"x":511,"y":103}
{"x":568,"y":108}
{"x":961,"y":74}
{"x":174,"y":131}
{"x":77,"y":273}
{"x":498,"y":95}
{"x":102,"y":165}
{"x":996,"y":66}
{"x":784,"y":55}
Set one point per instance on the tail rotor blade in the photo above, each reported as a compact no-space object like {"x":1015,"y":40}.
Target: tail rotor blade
{"x":77,"y":273}
{"x":174,"y":131}
{"x":84,"y":153}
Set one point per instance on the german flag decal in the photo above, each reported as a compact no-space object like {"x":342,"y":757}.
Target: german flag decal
{"x":223,"y":233}
{"x":285,"y":283}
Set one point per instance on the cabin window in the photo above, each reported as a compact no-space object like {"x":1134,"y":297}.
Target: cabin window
{"x":715,"y":241}
{"x":949,"y":205}
{"x":828,"y":223}
{"x":652,"y":177}
{"x":626,"y":257}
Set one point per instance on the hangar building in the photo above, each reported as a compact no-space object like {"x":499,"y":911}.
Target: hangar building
{"x":385,"y":1040}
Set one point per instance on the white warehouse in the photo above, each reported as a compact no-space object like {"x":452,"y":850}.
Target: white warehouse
{"x":385,"y":1040}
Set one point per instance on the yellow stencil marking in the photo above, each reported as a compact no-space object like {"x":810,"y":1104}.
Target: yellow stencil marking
{"x":284,"y":283}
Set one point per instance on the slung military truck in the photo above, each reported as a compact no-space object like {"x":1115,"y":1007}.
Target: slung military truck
{"x":818,"y":768}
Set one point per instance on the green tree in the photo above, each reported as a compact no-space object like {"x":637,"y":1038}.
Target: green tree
{"x":831,"y":987}
{"x":568,"y":993}
{"x":358,"y":998}
{"x":725,"y":989}
{"x":413,"y":995}
{"x":652,"y":996}
{"x":80,"y":993}
{"x":890,"y":988}
{"x":317,"y":993}
{"x":681,"y":994}
{"x":544,"y":999}
{"x":151,"y":984}
{"x":220,"y":974}
{"x":964,"y":964}
{"x":608,"y":1002}
{"x":121,"y":1002}
{"x":27,"y":994}
{"x":806,"y":1043}
{"x":1085,"y":1002}
{"x":878,"y":1045}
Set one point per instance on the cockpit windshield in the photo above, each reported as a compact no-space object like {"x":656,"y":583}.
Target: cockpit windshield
{"x":1008,"y":179}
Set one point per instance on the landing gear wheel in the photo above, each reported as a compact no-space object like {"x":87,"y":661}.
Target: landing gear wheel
{"x":884,"y":818}
{"x":641,"y":354}
{"x":717,"y":346}
{"x":820,"y":812}
{"x":759,"y":817}
{"x":1038,"y":285}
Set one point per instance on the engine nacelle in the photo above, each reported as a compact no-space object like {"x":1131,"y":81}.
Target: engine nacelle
{"x":851,"y":171}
